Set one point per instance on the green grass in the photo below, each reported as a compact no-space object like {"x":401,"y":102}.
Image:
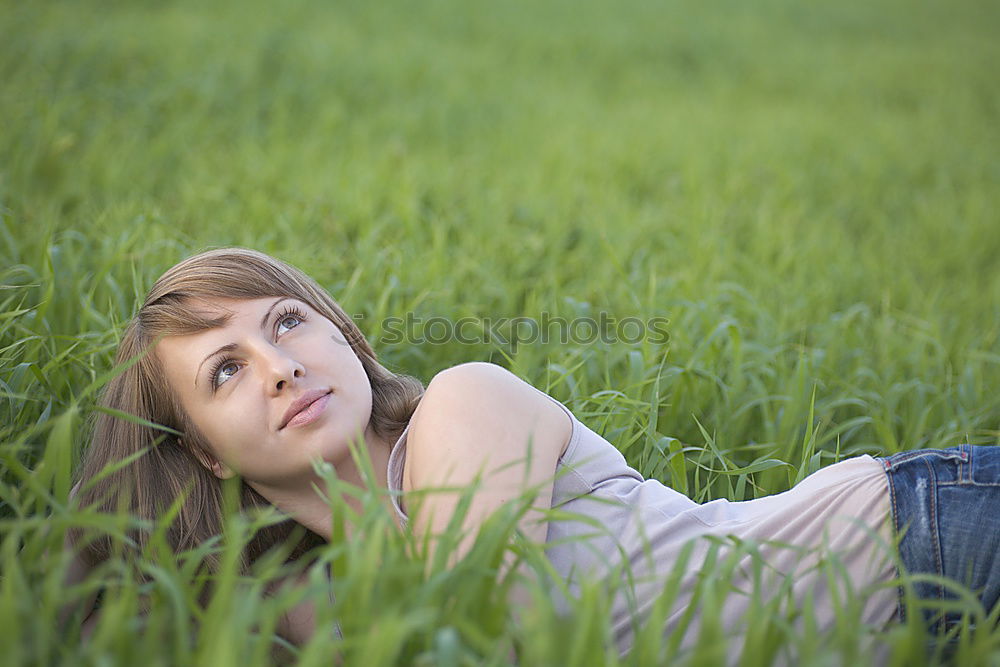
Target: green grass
{"x":809,"y":193}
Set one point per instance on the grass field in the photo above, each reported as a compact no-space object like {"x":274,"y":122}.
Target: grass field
{"x":810,"y":194}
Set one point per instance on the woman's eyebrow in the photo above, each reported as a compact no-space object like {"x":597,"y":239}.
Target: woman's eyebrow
{"x":229,"y":347}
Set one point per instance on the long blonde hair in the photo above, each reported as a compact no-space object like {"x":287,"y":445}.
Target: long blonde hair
{"x":168,"y":468}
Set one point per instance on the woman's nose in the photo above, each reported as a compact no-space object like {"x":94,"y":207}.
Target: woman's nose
{"x":279,"y":369}
{"x":285,"y":379}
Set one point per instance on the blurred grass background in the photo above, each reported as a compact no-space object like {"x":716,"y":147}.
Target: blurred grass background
{"x":809,"y":192}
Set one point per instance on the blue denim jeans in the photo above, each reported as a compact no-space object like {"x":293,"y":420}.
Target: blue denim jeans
{"x":946,"y":505}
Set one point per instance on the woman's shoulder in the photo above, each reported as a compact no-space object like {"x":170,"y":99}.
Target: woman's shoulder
{"x":478,"y":381}
{"x":472,"y":370}
{"x":482,"y":405}
{"x":480,"y":392}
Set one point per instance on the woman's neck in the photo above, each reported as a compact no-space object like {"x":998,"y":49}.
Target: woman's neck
{"x":301,"y":498}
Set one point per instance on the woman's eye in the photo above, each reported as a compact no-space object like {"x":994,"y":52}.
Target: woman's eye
{"x":287,"y":322}
{"x":226,"y":371}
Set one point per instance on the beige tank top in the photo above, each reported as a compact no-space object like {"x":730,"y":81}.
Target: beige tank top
{"x":645,"y":524}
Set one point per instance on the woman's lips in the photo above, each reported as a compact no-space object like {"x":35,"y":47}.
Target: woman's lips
{"x":310,"y":413}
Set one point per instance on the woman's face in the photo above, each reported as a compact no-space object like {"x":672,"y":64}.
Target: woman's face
{"x":273,"y":389}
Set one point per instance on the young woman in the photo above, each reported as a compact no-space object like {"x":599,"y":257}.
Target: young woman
{"x":257,"y":372}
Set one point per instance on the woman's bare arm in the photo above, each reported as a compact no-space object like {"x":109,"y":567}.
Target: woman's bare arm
{"x":479,"y":418}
